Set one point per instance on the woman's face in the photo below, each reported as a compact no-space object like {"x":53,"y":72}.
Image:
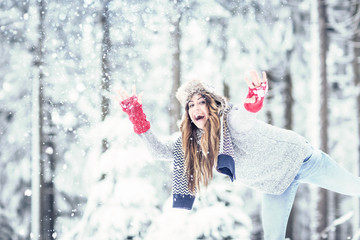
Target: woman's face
{"x":198,"y":110}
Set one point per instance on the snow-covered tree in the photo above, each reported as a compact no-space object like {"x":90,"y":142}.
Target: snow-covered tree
{"x":123,"y":192}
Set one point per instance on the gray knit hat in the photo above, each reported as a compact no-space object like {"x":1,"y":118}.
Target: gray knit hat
{"x":191,"y":87}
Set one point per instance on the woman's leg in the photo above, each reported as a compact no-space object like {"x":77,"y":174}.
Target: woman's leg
{"x":275,"y":212}
{"x":323,"y":171}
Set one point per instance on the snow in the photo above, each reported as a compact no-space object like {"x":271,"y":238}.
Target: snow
{"x":123,"y":192}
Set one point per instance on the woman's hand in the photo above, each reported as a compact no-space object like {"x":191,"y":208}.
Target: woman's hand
{"x":123,"y":94}
{"x":132,"y":107}
{"x":256,"y":83}
{"x":257,"y":91}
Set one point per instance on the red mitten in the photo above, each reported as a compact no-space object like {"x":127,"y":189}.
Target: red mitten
{"x":259,"y":93}
{"x":133,"y":108}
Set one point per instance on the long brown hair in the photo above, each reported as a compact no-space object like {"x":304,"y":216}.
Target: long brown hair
{"x":200,"y":160}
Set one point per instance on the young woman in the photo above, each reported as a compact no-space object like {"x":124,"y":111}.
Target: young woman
{"x":215,"y":134}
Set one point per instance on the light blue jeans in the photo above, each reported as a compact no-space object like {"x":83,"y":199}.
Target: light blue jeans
{"x":318,"y":169}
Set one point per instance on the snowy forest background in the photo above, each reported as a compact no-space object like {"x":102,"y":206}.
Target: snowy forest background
{"x":71,"y":166}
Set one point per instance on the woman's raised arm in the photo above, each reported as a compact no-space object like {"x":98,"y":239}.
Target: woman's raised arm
{"x":258,"y":88}
{"x":132,"y":106}
{"x":242,"y":118}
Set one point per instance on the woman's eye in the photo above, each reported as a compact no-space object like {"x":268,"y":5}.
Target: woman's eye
{"x":202,"y":102}
{"x":191,"y":105}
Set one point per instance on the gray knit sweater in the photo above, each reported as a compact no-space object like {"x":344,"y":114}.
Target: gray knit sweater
{"x":267,"y":158}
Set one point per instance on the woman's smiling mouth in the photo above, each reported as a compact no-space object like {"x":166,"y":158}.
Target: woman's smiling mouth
{"x":197,"y":118}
